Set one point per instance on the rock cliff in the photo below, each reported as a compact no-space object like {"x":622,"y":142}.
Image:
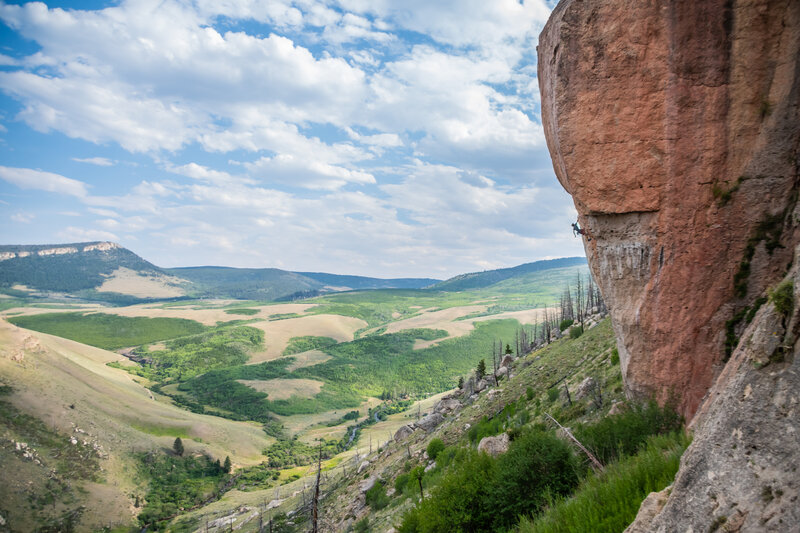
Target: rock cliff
{"x":674,"y":125}
{"x":676,"y":128}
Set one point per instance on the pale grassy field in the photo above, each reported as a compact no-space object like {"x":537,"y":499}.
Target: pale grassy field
{"x":283,"y":389}
{"x":278,"y":332}
{"x":126,"y":281}
{"x":67,"y":385}
{"x":206,"y":316}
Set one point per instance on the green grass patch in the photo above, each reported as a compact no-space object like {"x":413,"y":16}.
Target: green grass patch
{"x":309,"y":342}
{"x":242,"y":311}
{"x":160,"y":431}
{"x":609,"y":501}
{"x":187,"y":357}
{"x":109,"y":332}
{"x":176,"y":484}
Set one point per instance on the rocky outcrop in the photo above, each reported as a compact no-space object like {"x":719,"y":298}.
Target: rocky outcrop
{"x":430,"y":421}
{"x":494,"y":446}
{"x":741,"y":468}
{"x":404,"y":432}
{"x":447,"y":405}
{"x":675,"y":127}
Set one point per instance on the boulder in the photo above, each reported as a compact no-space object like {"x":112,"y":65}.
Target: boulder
{"x":502,"y":372}
{"x":430,"y":421}
{"x":616,"y":408}
{"x":368,"y":483}
{"x":481,"y":385}
{"x":404,"y":432}
{"x":447,"y":406}
{"x":469,"y":387}
{"x":430,"y":466}
{"x":363,"y":466}
{"x":507,"y":360}
{"x":585,"y":388}
{"x":494,"y":446}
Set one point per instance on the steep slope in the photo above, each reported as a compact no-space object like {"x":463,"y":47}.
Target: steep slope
{"x":69,"y":267}
{"x":66,"y":389}
{"x":477,"y":280}
{"x":675,"y":127}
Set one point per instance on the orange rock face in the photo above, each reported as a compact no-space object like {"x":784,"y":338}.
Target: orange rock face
{"x":675,"y":126}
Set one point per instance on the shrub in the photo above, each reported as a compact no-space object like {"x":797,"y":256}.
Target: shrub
{"x":567,"y":322}
{"x":529,"y":393}
{"x":608,"y":502}
{"x":575,"y":332}
{"x":614,"y":356}
{"x":400,"y":483}
{"x":552,"y":394}
{"x":362,"y":526}
{"x":538,"y":465}
{"x":376,"y":496}
{"x":434,"y":447}
{"x":626,"y":432}
{"x":782,"y":297}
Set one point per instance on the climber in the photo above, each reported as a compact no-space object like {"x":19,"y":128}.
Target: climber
{"x":577,"y":230}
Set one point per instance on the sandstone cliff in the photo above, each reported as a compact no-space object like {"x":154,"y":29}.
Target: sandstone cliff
{"x":674,"y":125}
{"x":676,"y":128}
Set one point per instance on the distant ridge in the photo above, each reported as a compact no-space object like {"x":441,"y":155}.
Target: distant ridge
{"x":478,"y":280}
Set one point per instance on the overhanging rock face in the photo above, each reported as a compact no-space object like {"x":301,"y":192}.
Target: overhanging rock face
{"x":675,"y":127}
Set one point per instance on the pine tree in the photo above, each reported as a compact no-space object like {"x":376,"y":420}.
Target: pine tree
{"x":508,"y":349}
{"x":226,"y":467}
{"x":460,"y":382}
{"x":178,"y":447}
{"x":481,"y":370}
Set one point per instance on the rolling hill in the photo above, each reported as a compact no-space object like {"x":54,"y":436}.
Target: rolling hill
{"x":479,"y":280}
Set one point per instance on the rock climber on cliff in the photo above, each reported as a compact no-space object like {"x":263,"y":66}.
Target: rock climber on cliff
{"x":577,"y":230}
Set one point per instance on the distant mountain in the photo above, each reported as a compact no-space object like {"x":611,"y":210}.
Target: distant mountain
{"x":364,"y":283}
{"x":479,"y":280}
{"x":67,"y":268}
{"x":106,"y":271}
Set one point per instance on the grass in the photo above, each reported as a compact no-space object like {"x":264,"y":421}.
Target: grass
{"x":109,"y":332}
{"x":609,"y":501}
{"x":306,"y":343}
{"x":242,"y":311}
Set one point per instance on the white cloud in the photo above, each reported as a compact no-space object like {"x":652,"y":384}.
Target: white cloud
{"x":99,"y":161}
{"x":23,"y":218}
{"x":27,"y":178}
{"x":77,"y":234}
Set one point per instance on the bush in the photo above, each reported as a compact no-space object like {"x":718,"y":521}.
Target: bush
{"x":376,"y":496}
{"x":362,"y":526}
{"x":626,"y":432}
{"x":400,"y":483}
{"x":575,"y":332}
{"x":552,"y":394}
{"x":614,"y":356}
{"x":538,"y":465}
{"x":567,"y":322}
{"x":434,"y":447}
{"x":782,"y":297}
{"x":529,"y":393}
{"x":608,"y":502}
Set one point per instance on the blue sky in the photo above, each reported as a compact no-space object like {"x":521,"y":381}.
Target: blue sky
{"x":373,"y":137}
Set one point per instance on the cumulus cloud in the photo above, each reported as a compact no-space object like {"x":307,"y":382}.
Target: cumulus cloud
{"x":373,"y":137}
{"x":27,"y":178}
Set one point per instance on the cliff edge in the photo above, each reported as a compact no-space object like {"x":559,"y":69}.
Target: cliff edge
{"x":675,"y":126}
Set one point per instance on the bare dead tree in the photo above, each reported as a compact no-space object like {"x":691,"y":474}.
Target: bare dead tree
{"x":569,"y":398}
{"x":314,"y":510}
{"x":595,"y":463}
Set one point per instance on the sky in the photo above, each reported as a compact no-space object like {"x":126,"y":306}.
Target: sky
{"x":388,"y":138}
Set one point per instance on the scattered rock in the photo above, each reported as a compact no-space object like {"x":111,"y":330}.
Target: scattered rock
{"x":368,"y":483}
{"x":404,"y":432}
{"x":494,"y":446}
{"x":362,"y":466}
{"x":447,"y":405}
{"x":616,"y":408}
{"x":430,"y":466}
{"x":467,"y":426}
{"x":585,"y":388}
{"x":650,"y":507}
{"x":492,"y":393}
{"x":430,"y":421}
{"x":391,"y":492}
